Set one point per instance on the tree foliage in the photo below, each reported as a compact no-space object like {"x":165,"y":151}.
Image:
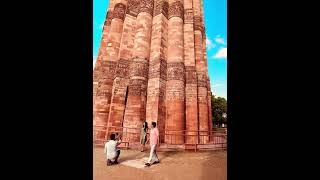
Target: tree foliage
{"x":219,"y":108}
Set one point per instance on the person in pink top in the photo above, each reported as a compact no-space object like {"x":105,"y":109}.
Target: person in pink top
{"x":154,"y":137}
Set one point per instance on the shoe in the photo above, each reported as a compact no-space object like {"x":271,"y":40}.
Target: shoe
{"x":147,"y":164}
{"x":109,"y":162}
{"x":156,"y":162}
{"x":116,"y":162}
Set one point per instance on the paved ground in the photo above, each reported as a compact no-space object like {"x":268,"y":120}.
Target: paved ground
{"x":172,"y":166}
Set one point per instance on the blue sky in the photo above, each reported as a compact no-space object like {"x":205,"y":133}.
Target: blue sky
{"x":215,"y":16}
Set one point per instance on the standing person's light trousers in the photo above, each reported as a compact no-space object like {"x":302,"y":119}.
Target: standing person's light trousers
{"x":153,"y":154}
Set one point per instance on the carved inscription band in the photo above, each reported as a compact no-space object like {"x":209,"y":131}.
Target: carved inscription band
{"x":191,"y":75}
{"x":158,"y":69}
{"x":122,"y":68}
{"x":138,"y":87}
{"x":139,"y":67}
{"x":175,"y":71}
{"x":202,"y":80}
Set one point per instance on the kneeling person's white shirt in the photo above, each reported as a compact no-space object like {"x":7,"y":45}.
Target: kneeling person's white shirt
{"x":110,"y":149}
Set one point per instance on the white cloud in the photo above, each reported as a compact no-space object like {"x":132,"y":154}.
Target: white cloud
{"x":221,"y":54}
{"x":209,"y":44}
{"x":220,"y":40}
{"x":216,"y":85}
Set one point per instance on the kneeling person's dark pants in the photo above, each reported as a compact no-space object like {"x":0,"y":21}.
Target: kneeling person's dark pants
{"x":117,"y":156}
{"x":110,"y":162}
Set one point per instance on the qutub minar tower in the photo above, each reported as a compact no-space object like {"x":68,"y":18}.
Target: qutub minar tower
{"x":152,"y":66}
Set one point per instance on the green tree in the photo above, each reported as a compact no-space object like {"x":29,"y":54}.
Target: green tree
{"x":219,"y":110}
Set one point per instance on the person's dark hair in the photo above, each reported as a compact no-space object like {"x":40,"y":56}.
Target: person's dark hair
{"x":145,"y":125}
{"x":112,"y":136}
{"x":154,"y":124}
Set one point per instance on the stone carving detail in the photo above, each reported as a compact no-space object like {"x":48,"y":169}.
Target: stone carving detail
{"x":191,"y":93}
{"x":176,"y":10}
{"x":108,"y":19}
{"x":188,"y":16}
{"x":108,"y":69}
{"x":122,"y":68}
{"x":119,"y":11}
{"x":146,"y":6}
{"x":137,"y":87}
{"x":191,"y":75}
{"x":204,"y":36}
{"x":158,"y":69}
{"x":120,"y":86}
{"x":175,"y":71}
{"x":202,"y":96}
{"x":103,"y":94}
{"x":202,"y":80}
{"x":133,"y":7}
{"x":161,"y":6}
{"x":175,"y":92}
{"x":197,"y":23}
{"x":139,"y":67}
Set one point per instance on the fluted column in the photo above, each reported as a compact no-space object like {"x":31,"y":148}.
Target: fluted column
{"x":108,"y":66}
{"x":175,"y":87}
{"x":191,"y":75}
{"x":97,"y":72}
{"x":201,"y":73}
{"x":121,"y":81}
{"x":209,"y":110}
{"x":138,"y":72}
{"x":156,"y":107}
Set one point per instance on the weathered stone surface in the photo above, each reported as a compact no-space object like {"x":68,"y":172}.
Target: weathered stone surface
{"x":176,"y":10}
{"x":146,"y":6}
{"x":161,"y":6}
{"x":133,"y":7}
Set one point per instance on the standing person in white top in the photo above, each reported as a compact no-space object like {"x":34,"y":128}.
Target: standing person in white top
{"x":112,"y":151}
{"x":154,"y":138}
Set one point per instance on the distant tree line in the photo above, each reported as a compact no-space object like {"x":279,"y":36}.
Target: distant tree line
{"x":219,"y":111}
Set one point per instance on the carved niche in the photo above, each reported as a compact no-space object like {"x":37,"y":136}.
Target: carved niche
{"x":133,"y":7}
{"x":146,"y":6}
{"x":119,"y":11}
{"x":175,"y":71}
{"x":176,"y":10}
{"x":161,"y":6}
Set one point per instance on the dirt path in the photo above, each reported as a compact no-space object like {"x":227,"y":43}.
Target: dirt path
{"x":172,"y":166}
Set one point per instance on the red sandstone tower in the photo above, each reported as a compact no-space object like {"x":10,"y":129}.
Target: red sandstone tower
{"x":152,"y":66}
